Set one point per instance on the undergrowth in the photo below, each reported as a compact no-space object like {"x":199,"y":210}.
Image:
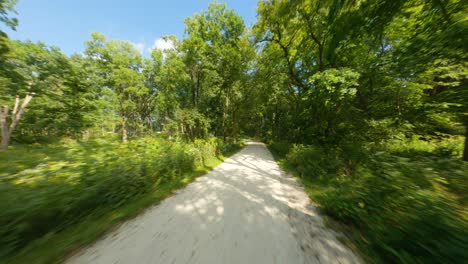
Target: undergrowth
{"x":404,"y":202}
{"x":47,"y":192}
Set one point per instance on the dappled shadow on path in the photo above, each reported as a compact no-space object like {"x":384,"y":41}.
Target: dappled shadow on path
{"x":244,"y":211}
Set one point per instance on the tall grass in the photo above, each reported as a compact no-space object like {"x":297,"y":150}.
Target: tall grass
{"x":45,"y":189}
{"x":404,"y":203}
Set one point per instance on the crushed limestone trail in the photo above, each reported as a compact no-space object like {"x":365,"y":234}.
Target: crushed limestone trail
{"x":246,"y":210}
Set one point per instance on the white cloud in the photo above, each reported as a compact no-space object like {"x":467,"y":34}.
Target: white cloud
{"x":162,"y":44}
{"x":139,"y":46}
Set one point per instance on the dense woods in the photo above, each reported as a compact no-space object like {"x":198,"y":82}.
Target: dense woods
{"x":365,"y":101}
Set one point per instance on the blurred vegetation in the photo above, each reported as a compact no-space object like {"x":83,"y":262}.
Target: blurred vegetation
{"x":366,"y":101}
{"x":44,"y":189}
{"x":404,"y":202}
{"x":108,"y":132}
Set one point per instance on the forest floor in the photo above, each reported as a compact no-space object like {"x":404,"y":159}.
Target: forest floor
{"x":246,"y":210}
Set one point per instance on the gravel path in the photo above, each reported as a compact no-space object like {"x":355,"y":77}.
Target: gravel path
{"x":244,"y":211}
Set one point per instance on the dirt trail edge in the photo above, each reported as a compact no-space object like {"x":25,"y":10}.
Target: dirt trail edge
{"x":246,"y":210}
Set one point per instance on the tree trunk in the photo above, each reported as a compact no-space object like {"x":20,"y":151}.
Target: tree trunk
{"x":225,"y":116}
{"x":16,"y":115}
{"x":465,"y":152}
{"x":4,"y":127}
{"x":124,"y":130}
{"x":5,"y":141}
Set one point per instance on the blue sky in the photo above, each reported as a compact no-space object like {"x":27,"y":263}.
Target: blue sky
{"x":67,"y":24}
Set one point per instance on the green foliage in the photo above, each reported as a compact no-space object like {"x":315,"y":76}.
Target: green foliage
{"x":7,"y":6}
{"x":307,"y":160}
{"x":369,"y":96}
{"x":406,"y":204}
{"x":45,"y":189}
{"x":279,"y":149}
{"x":119,"y":68}
{"x":217,"y":54}
{"x":229,"y":145}
{"x":361,"y":98}
{"x":394,"y":60}
{"x":188,"y":123}
{"x":329,"y":101}
{"x":402,"y":210}
{"x":61,"y":101}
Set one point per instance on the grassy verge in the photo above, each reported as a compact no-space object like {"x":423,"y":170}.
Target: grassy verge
{"x":401,"y":205}
{"x":57,"y":244}
{"x":316,"y":189}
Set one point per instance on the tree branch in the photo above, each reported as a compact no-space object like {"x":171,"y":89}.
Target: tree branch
{"x":17,"y":102}
{"x":17,"y":116}
{"x":293,"y":75}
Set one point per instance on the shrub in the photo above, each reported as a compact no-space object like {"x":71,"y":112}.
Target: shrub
{"x":70,"y":182}
{"x":307,"y":160}
{"x":405,"y":205}
{"x":228,"y":146}
{"x":279,"y":149}
{"x":399,"y":220}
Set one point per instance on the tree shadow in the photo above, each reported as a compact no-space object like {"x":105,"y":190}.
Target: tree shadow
{"x":246,"y":210}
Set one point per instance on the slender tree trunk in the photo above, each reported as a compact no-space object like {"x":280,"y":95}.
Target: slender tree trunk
{"x":197,"y":91}
{"x":124,"y":130}
{"x":193,"y":87}
{"x":4,"y":127}
{"x":225,"y":116}
{"x":465,"y":152}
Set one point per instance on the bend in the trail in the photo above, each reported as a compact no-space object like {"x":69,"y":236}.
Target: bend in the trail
{"x":247,"y":210}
